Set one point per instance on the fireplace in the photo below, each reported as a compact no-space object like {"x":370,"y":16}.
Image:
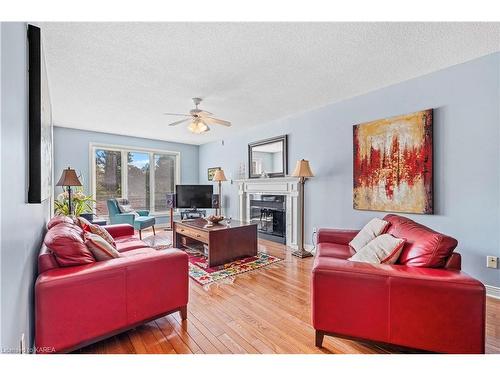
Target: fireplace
{"x":268,"y":211}
{"x":288,"y":190}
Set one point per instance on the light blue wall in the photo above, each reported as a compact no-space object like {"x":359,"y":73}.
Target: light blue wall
{"x":466,"y":100}
{"x":22,"y":225}
{"x":71,"y":148}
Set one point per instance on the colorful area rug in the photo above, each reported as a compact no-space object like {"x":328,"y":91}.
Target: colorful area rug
{"x":204,"y":275}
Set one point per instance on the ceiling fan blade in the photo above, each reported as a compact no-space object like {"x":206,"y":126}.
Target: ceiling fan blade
{"x":205,"y":114}
{"x":176,"y":114}
{"x":216,"y":121}
{"x":178,"y":122}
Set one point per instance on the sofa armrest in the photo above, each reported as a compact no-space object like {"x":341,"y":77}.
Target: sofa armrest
{"x":454,"y":262}
{"x":119,"y":230}
{"x":412,"y":306}
{"x":339,"y":236}
{"x":142,"y":212}
{"x":74,"y":305}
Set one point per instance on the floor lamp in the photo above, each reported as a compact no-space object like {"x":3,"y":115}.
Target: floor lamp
{"x":69,"y":179}
{"x":219,"y":176}
{"x":302,"y":171}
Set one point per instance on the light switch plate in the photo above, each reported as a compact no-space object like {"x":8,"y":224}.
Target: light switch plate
{"x":491,"y":261}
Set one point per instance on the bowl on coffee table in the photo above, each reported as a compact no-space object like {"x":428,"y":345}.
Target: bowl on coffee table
{"x":213,"y":220}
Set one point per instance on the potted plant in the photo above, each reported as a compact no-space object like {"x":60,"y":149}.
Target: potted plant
{"x":82,"y":204}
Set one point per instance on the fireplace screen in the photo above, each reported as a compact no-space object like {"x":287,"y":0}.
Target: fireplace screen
{"x":269,"y":213}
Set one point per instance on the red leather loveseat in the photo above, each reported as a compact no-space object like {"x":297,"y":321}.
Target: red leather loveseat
{"x":82,"y":304}
{"x":424,"y":301}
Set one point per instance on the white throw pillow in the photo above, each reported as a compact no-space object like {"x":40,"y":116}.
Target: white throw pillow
{"x":127,"y":209}
{"x":99,"y":247}
{"x":374,"y":228}
{"x":383,"y":249}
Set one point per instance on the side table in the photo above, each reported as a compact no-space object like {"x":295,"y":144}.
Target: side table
{"x":99,"y":222}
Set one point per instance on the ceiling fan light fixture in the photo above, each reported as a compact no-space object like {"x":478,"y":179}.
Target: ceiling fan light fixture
{"x":200,"y":119}
{"x":198,"y":127}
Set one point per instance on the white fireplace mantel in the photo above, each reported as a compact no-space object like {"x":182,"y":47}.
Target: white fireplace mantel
{"x":287,"y":186}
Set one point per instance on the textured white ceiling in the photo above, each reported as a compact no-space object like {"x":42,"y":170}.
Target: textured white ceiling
{"x":120,"y":77}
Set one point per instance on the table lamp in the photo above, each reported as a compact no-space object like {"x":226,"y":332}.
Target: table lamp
{"x":219,"y":176}
{"x":302,"y":171}
{"x":69,"y":179}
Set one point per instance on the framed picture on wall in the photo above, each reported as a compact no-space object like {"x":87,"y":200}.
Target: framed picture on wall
{"x":40,"y":122}
{"x":393,"y":168}
{"x":211,"y":172}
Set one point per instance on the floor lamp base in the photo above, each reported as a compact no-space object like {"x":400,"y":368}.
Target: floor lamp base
{"x":302,"y":253}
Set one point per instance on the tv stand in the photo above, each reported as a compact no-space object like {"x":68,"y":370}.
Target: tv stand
{"x":193,"y":214}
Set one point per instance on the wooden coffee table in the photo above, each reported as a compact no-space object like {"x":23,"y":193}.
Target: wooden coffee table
{"x":225,"y":242}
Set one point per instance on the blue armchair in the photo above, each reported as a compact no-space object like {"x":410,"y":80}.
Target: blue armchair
{"x":139,"y":223}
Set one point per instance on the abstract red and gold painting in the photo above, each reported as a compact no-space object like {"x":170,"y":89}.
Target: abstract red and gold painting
{"x":393,"y":164}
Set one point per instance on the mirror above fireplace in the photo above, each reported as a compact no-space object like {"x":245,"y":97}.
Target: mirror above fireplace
{"x":268,"y":158}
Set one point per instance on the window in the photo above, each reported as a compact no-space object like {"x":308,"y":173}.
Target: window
{"x":164,"y":181}
{"x":138,"y":192}
{"x":142,"y":176}
{"x":108,"y":177}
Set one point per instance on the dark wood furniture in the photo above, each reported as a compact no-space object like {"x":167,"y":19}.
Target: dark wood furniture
{"x":225,"y":242}
{"x":100,"y":222}
{"x":193,"y":214}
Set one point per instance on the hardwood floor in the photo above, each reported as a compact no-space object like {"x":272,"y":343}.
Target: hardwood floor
{"x":264,"y":311}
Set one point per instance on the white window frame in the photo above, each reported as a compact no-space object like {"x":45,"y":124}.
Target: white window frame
{"x":124,"y":167}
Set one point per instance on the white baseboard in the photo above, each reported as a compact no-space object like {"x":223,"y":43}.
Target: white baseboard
{"x":492,"y":291}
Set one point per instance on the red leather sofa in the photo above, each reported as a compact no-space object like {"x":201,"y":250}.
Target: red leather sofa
{"x":424,"y":301}
{"x":82,"y":304}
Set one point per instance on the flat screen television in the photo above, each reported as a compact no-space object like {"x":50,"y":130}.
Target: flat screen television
{"x":194,"y":196}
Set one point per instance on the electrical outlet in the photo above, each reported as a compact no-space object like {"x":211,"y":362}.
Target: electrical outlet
{"x":22,"y":344}
{"x":315,"y":230}
{"x":491,"y":262}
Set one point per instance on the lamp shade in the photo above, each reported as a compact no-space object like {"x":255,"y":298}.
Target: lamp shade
{"x":302,"y":169}
{"x":69,"y":178}
{"x":219,"y":175}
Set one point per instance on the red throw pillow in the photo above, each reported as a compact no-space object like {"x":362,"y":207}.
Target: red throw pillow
{"x":66,"y":242}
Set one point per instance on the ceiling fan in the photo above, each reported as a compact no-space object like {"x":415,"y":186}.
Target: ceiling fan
{"x":199,"y":119}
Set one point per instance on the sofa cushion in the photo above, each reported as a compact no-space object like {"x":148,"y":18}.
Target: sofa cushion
{"x":128,"y":243}
{"x":382,"y":249}
{"x":424,"y":247}
{"x":131,"y":253}
{"x":372,"y":229}
{"x":58,"y":220}
{"x":334,"y":250}
{"x":66,"y":243}
{"x":142,"y":222}
{"x":100,"y":248}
